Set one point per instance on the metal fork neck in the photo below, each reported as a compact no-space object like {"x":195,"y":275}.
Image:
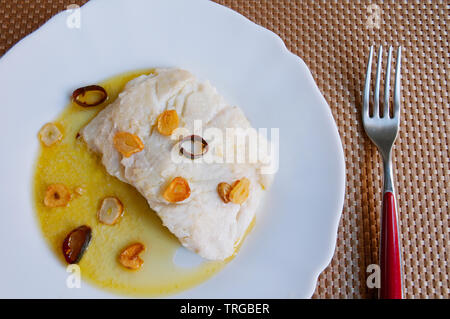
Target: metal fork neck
{"x":388,"y":184}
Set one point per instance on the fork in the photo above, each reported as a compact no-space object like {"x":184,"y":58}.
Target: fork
{"x":382,"y":131}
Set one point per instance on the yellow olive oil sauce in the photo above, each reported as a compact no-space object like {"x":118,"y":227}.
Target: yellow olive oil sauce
{"x":71,"y":163}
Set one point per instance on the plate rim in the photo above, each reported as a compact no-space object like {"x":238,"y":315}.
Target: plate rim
{"x":326,"y":259}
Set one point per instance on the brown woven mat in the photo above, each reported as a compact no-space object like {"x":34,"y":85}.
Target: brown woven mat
{"x":333,"y":38}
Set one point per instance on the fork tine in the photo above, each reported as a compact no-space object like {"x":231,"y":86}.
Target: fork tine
{"x":397,"y":84}
{"x":366,"y":98}
{"x":386,"y":85}
{"x":376,"y":102}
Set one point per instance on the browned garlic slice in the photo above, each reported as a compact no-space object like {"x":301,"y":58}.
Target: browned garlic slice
{"x":193,"y":146}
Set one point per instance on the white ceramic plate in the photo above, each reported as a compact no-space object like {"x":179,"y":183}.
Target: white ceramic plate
{"x":295,"y":235}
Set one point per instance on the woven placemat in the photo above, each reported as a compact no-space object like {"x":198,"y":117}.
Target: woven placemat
{"x":333,"y":38}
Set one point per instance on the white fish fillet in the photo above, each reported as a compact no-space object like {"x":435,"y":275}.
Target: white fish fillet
{"x":203,"y":223}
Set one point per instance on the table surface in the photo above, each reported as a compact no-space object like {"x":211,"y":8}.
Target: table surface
{"x":333,"y":38}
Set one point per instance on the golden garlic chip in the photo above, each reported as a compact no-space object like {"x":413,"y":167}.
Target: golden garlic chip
{"x":57,"y":195}
{"x":167,"y":122}
{"x":127,"y":144}
{"x":110,"y":211}
{"x":240,"y":191}
{"x":50,"y":134}
{"x":129,"y":257}
{"x":177,"y":191}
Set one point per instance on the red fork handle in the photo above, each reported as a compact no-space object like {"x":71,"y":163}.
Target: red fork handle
{"x":391,"y":276}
